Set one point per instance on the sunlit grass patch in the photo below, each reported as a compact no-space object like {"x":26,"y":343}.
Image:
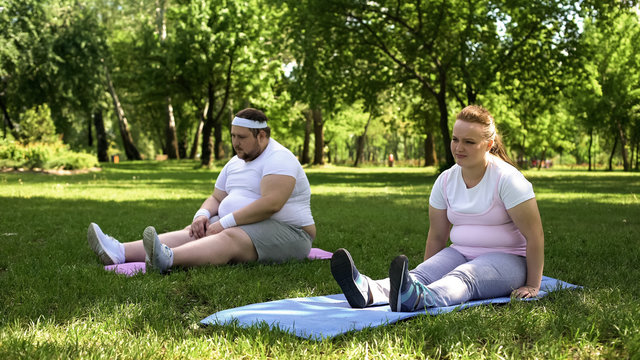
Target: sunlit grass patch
{"x":58,"y":302}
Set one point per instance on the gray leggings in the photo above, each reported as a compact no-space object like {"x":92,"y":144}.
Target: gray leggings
{"x":454,"y":280}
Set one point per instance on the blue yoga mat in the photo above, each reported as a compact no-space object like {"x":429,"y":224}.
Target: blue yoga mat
{"x":322,"y":317}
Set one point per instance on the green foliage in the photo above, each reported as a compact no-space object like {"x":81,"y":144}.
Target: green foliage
{"x":43,"y":156}
{"x":553,"y":72}
{"x":36,"y":126}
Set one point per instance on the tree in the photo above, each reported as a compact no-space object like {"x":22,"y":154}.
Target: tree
{"x":455,"y":50}
{"x":322,"y":65}
{"x":221,"y":51}
{"x":610,"y":78}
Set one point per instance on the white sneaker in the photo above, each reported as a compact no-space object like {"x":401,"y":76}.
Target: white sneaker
{"x":159,"y":256}
{"x":109,"y":250}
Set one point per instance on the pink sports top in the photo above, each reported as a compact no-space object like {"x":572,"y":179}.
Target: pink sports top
{"x":490,"y":231}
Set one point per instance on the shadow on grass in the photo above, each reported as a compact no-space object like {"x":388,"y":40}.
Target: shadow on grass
{"x":47,"y":268}
{"x":50,"y":271}
{"x":397,"y":179}
{"x":618,"y":183}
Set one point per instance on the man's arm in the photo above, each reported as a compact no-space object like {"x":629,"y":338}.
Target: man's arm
{"x":200,"y":224}
{"x":275,"y":191}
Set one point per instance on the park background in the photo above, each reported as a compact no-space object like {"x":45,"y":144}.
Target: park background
{"x":344,"y":83}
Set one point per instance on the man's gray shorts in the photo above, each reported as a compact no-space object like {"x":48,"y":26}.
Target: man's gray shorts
{"x":276,"y":241}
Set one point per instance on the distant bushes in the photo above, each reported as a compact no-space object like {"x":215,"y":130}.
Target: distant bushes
{"x":39,"y":147}
{"x":43,"y":156}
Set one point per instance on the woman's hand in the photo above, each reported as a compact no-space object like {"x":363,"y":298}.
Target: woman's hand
{"x":525,"y":292}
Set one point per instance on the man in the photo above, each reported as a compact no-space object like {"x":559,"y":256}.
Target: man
{"x":259,"y":210}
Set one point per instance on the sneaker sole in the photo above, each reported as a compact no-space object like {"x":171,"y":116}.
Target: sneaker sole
{"x":342,"y":271}
{"x":96,"y":246}
{"x":396,"y":278}
{"x":148,"y":241}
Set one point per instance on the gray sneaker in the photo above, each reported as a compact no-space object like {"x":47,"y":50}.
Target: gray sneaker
{"x":109,"y":250}
{"x":159,"y":256}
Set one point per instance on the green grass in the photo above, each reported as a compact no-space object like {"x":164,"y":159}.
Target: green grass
{"x":56,"y":301}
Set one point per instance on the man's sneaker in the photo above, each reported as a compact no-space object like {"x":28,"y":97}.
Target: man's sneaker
{"x":354,"y":286}
{"x":159,"y":256}
{"x":406,"y":295}
{"x":109,"y":250}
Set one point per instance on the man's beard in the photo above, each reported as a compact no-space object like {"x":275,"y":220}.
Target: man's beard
{"x":250,"y":156}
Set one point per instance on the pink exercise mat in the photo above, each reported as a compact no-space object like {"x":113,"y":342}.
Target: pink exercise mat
{"x":133,"y":268}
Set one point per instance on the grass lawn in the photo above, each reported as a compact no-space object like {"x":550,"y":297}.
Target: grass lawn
{"x":56,"y":301}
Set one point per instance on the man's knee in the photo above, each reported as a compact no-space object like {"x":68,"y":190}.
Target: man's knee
{"x":237,"y":239}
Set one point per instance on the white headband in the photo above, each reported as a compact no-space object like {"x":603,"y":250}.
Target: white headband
{"x":251,"y":124}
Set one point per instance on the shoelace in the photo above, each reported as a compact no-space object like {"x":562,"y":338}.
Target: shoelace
{"x":167,"y":251}
{"x":420,"y":291}
{"x":111,"y":238}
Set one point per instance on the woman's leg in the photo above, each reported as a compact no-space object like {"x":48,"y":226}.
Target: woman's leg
{"x":487,"y":276}
{"x":438,"y":265}
{"x":408,"y":291}
{"x":427,"y":272}
{"x":361,"y":291}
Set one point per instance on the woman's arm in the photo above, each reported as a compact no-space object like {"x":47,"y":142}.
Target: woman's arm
{"x":527,"y":218}
{"x":439,"y":228}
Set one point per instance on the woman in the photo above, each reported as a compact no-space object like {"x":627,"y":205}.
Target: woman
{"x":488,"y":210}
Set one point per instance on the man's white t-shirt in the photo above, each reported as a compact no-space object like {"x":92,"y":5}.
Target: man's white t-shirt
{"x":513,"y":188}
{"x":241,"y":181}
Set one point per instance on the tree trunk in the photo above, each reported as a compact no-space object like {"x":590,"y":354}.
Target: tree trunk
{"x":590,"y":146}
{"x":305,"y":158}
{"x":196,"y":139}
{"x":207,"y":144}
{"x":101,"y":136}
{"x":361,"y":140}
{"x":613,"y":152}
{"x":170,"y":134}
{"x":217,"y":135}
{"x":444,"y":129}
{"x":623,"y":146}
{"x":637,"y":154}
{"x":430,"y":158}
{"x":543,"y":157}
{"x":89,"y":132}
{"x":13,"y":127}
{"x":127,"y":140}
{"x":213,"y":122}
{"x":171,"y":138}
{"x":319,"y":137}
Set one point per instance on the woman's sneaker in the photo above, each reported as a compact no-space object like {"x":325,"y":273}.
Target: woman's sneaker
{"x":159,"y":256}
{"x":109,"y":250}
{"x":354,"y":285}
{"x":406,"y":295}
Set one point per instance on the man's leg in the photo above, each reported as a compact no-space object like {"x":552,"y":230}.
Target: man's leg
{"x":134,"y":251}
{"x":231,"y":245}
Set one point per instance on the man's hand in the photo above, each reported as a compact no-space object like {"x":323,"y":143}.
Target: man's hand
{"x":199,"y":227}
{"x":214,"y":228}
{"x":525,"y":292}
